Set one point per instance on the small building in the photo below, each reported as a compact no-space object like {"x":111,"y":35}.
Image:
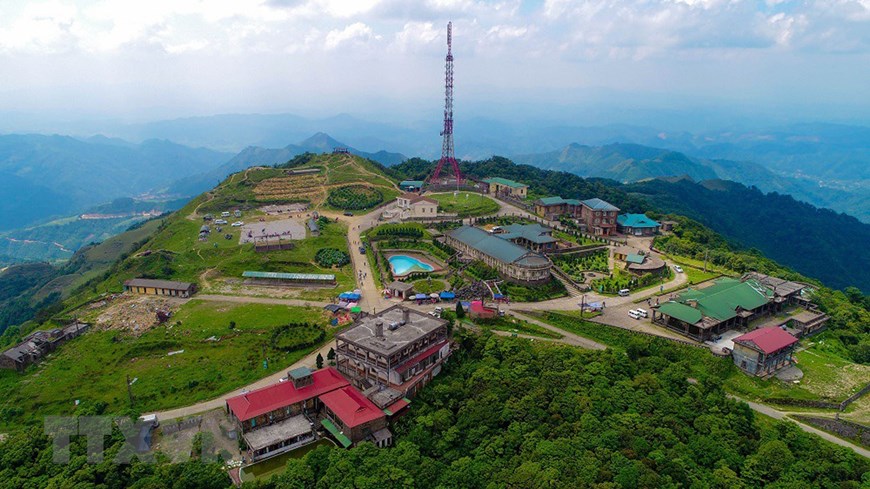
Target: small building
{"x":313,"y":228}
{"x":351,"y":417}
{"x":416,"y":206}
{"x":531,"y":236}
{"x":512,"y":261}
{"x":289,"y":279}
{"x":636,"y":225}
{"x":599,"y":216}
{"x":478,"y":310}
{"x":38,"y":344}
{"x":554,"y":207}
{"x":400,"y":289}
{"x":411,"y":185}
{"x":764,"y":351}
{"x":170,"y":288}
{"x":806,"y":322}
{"x":638,"y":262}
{"x":667,"y":226}
{"x":399,"y":348}
{"x":502,"y":187}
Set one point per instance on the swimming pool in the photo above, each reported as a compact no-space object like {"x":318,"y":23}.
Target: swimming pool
{"x":403,"y":265}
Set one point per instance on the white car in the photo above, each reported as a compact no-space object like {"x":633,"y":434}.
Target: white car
{"x":642,"y":312}
{"x":678,"y":269}
{"x":237,"y":224}
{"x":633,"y":314}
{"x":220,"y":221}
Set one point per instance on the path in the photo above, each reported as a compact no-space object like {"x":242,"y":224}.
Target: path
{"x":220,"y":402}
{"x":568,"y":337}
{"x":776,"y":414}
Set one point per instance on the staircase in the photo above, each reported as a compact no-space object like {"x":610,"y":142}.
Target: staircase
{"x":572,"y":288}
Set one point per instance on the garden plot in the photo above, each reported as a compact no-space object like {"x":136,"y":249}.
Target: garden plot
{"x":272,"y":231}
{"x":297,"y":187}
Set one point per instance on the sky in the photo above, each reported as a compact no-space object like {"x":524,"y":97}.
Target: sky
{"x":383,"y":59}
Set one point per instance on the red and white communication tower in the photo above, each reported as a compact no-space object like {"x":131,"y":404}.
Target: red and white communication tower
{"x":447,"y":155}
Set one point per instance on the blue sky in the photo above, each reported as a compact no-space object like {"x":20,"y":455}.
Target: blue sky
{"x":384,"y":58}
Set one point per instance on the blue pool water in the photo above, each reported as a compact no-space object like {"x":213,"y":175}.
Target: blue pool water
{"x":403,"y":265}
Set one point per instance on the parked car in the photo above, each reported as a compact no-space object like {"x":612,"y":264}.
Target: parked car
{"x":225,"y":214}
{"x":624,"y":292}
{"x":642,"y":312}
{"x":633,"y":314}
{"x":348,"y":214}
{"x":678,"y":269}
{"x":237,"y":224}
{"x":220,"y":221}
{"x":362,"y":250}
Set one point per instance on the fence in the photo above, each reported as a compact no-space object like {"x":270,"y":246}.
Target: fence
{"x":169,"y":429}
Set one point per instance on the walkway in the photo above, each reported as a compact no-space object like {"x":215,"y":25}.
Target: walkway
{"x":776,"y":414}
{"x":568,"y":337}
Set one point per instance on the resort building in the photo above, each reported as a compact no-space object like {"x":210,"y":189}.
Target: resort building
{"x":599,"y":216}
{"x":764,"y":351}
{"x":287,"y":415}
{"x":553,"y":207}
{"x":411,"y":185}
{"x":289,"y":279}
{"x":636,"y":225}
{"x":532,"y":236}
{"x":638,"y":262}
{"x":502,"y":187}
{"x":159,"y":287}
{"x":702,"y":314}
{"x":512,"y":261}
{"x":416,"y":206}
{"x":398,"y":350}
{"x":38,"y":344}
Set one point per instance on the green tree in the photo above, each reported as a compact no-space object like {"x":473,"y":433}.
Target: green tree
{"x":460,"y":311}
{"x":319,"y":360}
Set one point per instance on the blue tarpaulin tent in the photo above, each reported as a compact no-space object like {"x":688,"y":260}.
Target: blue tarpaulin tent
{"x":349,"y":296}
{"x":421,"y":297}
{"x":447,"y":296}
{"x":498,"y":296}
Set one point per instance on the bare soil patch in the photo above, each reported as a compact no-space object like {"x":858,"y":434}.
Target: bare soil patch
{"x":136,"y":314}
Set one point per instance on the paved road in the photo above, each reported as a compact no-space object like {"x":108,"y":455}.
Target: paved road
{"x":220,"y":402}
{"x":776,"y":414}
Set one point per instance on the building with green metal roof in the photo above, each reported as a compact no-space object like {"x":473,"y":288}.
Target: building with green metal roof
{"x":411,"y":185}
{"x":283,"y":278}
{"x":704,"y":313}
{"x":532,"y":236}
{"x":636,"y":224}
{"x":505,"y":188}
{"x":512,"y":261}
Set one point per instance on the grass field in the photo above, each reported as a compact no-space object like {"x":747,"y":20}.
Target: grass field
{"x":93,"y":367}
{"x":424,"y":286}
{"x":465,"y":204}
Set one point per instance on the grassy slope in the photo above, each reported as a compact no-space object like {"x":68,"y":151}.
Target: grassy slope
{"x":465,"y":204}
{"x":94,"y":367}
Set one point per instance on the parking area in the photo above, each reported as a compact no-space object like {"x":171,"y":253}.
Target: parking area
{"x":283,"y":229}
{"x":726,"y":340}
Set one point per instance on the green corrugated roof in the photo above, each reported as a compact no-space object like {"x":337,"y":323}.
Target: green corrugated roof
{"x":532,"y":232}
{"x":636,"y":221}
{"x":345,"y":441}
{"x":411,"y":183}
{"x":551,"y":200}
{"x":505,"y":181}
{"x":289,"y":276}
{"x":681,"y":311}
{"x":721,"y":300}
{"x":599,"y":205}
{"x":633,"y":258}
{"x":500,"y":249}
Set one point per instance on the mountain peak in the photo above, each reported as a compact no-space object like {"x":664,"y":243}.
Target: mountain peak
{"x":322,"y":142}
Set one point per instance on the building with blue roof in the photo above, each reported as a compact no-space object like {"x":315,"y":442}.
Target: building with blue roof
{"x":512,"y":261}
{"x":637,"y":225}
{"x":532,"y":236}
{"x":599,"y":216}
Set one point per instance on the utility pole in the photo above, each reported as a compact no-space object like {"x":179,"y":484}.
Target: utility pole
{"x":706,"y":250}
{"x":130,"y":390}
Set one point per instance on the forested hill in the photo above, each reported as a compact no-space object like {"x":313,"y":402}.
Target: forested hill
{"x":816,"y":242}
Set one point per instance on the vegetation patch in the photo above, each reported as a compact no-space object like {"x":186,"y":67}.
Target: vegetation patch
{"x":331,"y":257}
{"x":354,"y":197}
{"x":465,"y":204}
{"x":295,"y":336}
{"x":575,"y":264}
{"x":533,"y":293}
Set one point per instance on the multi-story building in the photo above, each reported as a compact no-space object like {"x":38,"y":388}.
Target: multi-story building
{"x":416,"y":206}
{"x":398,"y":350}
{"x":599,"y":216}
{"x":512,"y":261}
{"x":553,"y":207}
{"x":287,"y":415}
{"x":764,"y":351}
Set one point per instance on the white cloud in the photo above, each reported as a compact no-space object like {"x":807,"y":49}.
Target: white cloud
{"x":355,"y":31}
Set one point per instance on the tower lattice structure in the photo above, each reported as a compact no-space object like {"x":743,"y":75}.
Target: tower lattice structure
{"x":447,"y":154}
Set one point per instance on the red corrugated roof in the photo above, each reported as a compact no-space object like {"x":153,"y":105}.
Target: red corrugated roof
{"x":397,"y":406}
{"x":769,"y":340}
{"x":420,"y":356}
{"x":270,"y":398}
{"x":351,"y":406}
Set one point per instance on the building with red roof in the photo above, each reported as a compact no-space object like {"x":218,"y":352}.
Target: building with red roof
{"x":355,"y":416}
{"x":764,"y":351}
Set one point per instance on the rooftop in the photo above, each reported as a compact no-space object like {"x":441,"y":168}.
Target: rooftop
{"x":505,"y":182}
{"x":411,"y":183}
{"x":498,"y":248}
{"x":414,"y":198}
{"x":634,"y":258}
{"x":400,"y":286}
{"x":599,"y":205}
{"x":351,"y":406}
{"x":721,"y":300}
{"x":261,"y":401}
{"x":636,"y":221}
{"x":531,"y":232}
{"x":158,"y":284}
{"x":278,"y":432}
{"x":769,"y":340}
{"x":679,"y":311}
{"x":780,"y":286}
{"x":289,"y":276}
{"x":362,"y":331}
{"x":551,"y":200}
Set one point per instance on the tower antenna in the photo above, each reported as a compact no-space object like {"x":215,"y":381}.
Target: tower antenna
{"x":447,"y":154}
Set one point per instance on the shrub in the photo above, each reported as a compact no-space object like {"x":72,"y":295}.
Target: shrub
{"x":354,"y":197}
{"x":331,"y":257}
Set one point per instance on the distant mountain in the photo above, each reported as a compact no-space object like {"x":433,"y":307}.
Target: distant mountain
{"x":255,"y":155}
{"x":89,"y":172}
{"x":23,"y":201}
{"x":632,"y":162}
